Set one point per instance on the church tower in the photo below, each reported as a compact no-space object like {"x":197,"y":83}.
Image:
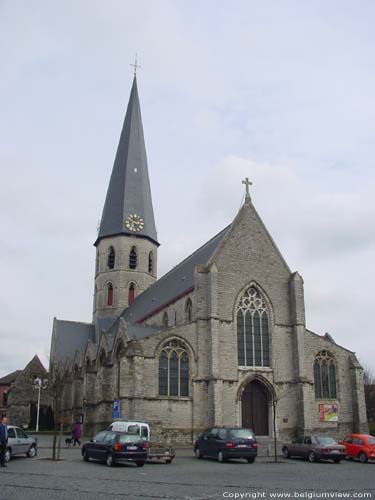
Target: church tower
{"x":126,"y":246}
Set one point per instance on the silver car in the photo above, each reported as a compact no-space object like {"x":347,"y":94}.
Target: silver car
{"x":19,"y":443}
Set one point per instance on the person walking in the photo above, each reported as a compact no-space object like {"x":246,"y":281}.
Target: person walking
{"x":76,"y":433}
{"x":3,"y":440}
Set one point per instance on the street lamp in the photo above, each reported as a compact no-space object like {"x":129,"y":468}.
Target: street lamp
{"x":39,"y":384}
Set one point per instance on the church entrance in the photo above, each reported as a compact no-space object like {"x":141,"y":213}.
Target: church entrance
{"x":254,"y":403}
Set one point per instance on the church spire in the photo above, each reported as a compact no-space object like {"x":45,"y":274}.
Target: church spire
{"x":128,"y":206}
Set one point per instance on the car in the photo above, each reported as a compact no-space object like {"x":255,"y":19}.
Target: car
{"x":225,"y":443}
{"x":19,"y":443}
{"x":314,"y":448}
{"x":113,"y":447}
{"x":361,"y":446}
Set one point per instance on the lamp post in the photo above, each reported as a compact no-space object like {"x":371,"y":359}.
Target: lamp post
{"x":39,"y":384}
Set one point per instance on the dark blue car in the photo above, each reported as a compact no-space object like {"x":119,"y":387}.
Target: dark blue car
{"x":227,"y":442}
{"x":113,"y":447}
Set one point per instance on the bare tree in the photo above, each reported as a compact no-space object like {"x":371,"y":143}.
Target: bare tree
{"x":56,"y":387}
{"x":369,"y":387}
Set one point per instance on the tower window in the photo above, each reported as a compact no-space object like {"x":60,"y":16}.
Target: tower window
{"x":165,"y":319}
{"x":110,"y":294}
{"x":131,"y":294}
{"x":150,"y":262}
{"x":189,"y":311}
{"x":133,"y":258}
{"x":111,"y":258}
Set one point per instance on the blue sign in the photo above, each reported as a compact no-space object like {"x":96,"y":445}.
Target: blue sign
{"x":116,"y":409}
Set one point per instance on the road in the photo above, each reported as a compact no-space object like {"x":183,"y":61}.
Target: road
{"x":187,"y":478}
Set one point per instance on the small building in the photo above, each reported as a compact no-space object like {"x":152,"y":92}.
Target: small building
{"x":5,"y":384}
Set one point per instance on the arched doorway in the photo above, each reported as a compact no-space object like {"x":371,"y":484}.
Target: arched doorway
{"x":254,"y":404}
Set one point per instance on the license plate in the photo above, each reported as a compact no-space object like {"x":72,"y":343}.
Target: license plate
{"x":132,"y":448}
{"x":335,"y":451}
{"x":242,"y":446}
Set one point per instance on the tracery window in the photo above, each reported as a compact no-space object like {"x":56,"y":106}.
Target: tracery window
{"x":111,"y":258}
{"x":165,"y":319}
{"x":174,"y":369}
{"x":252,"y":330}
{"x":325,"y":376}
{"x":133,"y":258}
{"x":189,"y":311}
{"x":109,"y":294}
{"x":150,"y":262}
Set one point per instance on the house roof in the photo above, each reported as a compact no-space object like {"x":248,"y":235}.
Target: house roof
{"x":70,"y":337}
{"x":129,"y":191}
{"x":10,"y":378}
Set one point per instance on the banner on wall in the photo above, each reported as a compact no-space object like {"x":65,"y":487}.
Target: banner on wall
{"x":328,"y":412}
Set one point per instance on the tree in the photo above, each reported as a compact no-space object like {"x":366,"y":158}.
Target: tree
{"x":369,"y":387}
{"x":56,"y":388}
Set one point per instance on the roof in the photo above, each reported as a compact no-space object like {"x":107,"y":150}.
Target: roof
{"x":173,"y":285}
{"x":10,"y":378}
{"x":129,"y":191}
{"x":72,"y":336}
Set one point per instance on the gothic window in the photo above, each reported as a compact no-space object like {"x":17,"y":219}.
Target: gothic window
{"x":174,"y":370}
{"x":133,"y":258}
{"x":111,"y":258}
{"x":325,"y":376}
{"x":165,"y":319}
{"x":131,"y":294}
{"x":109,"y":294}
{"x":150,"y":262}
{"x":189,"y":311}
{"x":252,"y":330}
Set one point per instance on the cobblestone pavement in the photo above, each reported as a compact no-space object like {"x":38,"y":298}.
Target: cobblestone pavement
{"x":185,"y":479}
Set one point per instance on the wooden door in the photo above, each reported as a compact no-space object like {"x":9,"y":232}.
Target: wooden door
{"x":255,"y":408}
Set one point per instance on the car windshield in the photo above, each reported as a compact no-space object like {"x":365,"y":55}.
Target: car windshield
{"x":324,"y":440}
{"x":241,"y":434}
{"x":371,"y":440}
{"x":128,"y":438}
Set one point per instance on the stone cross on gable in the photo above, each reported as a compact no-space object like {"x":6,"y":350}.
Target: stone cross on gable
{"x":135,"y":65}
{"x":247,"y":184}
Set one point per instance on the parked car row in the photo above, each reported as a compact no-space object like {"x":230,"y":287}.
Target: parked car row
{"x":314,"y":448}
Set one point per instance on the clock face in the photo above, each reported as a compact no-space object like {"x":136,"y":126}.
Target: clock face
{"x":134,"y":223}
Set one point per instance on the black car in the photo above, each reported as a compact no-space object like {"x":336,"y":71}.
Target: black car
{"x":227,"y":442}
{"x":112,"y":447}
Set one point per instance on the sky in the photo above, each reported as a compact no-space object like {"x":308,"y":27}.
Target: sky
{"x":282,"y":92}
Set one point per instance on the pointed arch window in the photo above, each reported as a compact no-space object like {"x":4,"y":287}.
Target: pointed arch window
{"x":174,"y":370}
{"x":252,"y":330}
{"x":133,"y":258}
{"x":131,"y":294}
{"x":189,"y":311}
{"x":111,"y":258}
{"x":109,"y":294}
{"x":325,"y":376}
{"x":150,"y":262}
{"x":165,"y":319}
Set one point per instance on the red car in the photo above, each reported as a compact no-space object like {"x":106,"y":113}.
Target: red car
{"x":360,"y":446}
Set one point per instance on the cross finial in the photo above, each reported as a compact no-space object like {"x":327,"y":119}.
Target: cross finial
{"x":247,"y":184}
{"x":135,"y":65}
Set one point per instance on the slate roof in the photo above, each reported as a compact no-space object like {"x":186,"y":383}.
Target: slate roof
{"x":10,"y":378}
{"x":129,"y":189}
{"x":72,"y":336}
{"x":171,"y":286}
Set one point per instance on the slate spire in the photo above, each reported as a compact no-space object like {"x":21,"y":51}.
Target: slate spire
{"x":129,"y":194}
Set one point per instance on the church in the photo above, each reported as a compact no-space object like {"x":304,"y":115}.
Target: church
{"x":219,"y":340}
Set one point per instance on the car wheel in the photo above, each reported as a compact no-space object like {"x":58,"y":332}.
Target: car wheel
{"x":250,"y":460}
{"x":198,"y":452}
{"x":168,"y":461}
{"x":32,"y":451}
{"x":85,"y":456}
{"x":362,"y":457}
{"x":7,"y":455}
{"x":337,"y":460}
{"x":220,"y":457}
{"x":109,"y":460}
{"x":311,"y":456}
{"x":140,"y":464}
{"x":285,"y":452}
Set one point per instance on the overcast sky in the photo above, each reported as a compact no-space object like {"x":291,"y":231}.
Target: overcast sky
{"x":282,"y":92}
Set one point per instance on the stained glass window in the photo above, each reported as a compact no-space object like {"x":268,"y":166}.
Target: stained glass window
{"x":325,"y":376}
{"x":174,"y":370}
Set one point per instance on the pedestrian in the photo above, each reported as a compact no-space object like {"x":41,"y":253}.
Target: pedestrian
{"x":3,"y":440}
{"x":76,"y":433}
